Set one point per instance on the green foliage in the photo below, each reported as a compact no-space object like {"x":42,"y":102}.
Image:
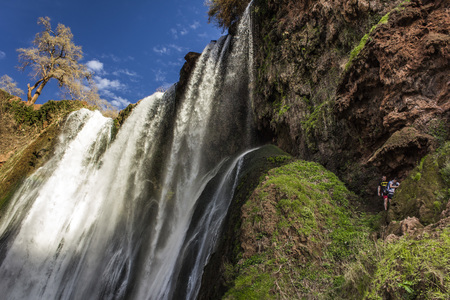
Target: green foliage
{"x":426,"y":191}
{"x":252,"y":285}
{"x":410,"y":269}
{"x":439,"y":129}
{"x":4,"y":96}
{"x":226,"y":12}
{"x":311,"y":205}
{"x":417,"y":176}
{"x":316,"y":122}
{"x":354,"y":53}
{"x":283,"y":110}
{"x":445,"y":173}
{"x":26,"y":115}
{"x":280,"y":159}
{"x":123,"y":115}
{"x":356,"y":50}
{"x":23,"y":114}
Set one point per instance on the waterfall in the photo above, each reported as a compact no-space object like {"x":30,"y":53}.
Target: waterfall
{"x":135,"y":216}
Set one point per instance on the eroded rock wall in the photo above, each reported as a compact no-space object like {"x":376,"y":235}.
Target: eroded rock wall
{"x":399,"y":80}
{"x":315,"y":103}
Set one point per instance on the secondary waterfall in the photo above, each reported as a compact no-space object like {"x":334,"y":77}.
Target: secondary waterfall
{"x":138,"y":216}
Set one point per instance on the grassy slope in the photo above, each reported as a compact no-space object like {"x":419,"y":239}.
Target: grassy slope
{"x":299,"y":231}
{"x":303,"y":238}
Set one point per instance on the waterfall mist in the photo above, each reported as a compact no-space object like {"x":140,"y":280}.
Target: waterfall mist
{"x":138,"y":216}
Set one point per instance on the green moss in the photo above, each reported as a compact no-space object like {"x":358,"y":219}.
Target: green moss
{"x":123,"y":115}
{"x":310,"y":205}
{"x":445,"y":173}
{"x":428,"y":185}
{"x":252,"y":285}
{"x":439,"y":129}
{"x":279,"y":159}
{"x":412,"y":269}
{"x":354,"y":53}
{"x":283,"y":110}
{"x":316,"y":122}
{"x":356,"y":50}
{"x":26,"y":115}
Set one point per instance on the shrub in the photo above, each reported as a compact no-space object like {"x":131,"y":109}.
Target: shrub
{"x":226,"y":12}
{"x":26,"y":115}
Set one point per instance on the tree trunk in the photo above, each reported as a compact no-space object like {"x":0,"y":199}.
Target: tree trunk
{"x":31,"y":100}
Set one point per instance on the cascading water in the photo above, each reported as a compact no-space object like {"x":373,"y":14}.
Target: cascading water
{"x":136,"y":217}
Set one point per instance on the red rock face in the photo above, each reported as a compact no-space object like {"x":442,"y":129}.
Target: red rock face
{"x":400,"y":80}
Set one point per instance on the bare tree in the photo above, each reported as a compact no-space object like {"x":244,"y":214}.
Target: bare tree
{"x":9,"y":85}
{"x":53,"y":55}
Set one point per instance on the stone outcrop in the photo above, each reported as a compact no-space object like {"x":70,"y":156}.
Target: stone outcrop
{"x":398,"y":88}
{"x":425,"y":192}
{"x":189,"y":65}
{"x":376,"y":113}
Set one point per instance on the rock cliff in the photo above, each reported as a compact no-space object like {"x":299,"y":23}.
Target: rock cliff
{"x":362,"y":87}
{"x":359,"y":86}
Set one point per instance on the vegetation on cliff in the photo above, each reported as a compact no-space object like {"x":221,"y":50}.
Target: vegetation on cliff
{"x":331,"y":87}
{"x":360,"y":88}
{"x":302,"y":234}
{"x":335,"y":81}
{"x":27,"y":137}
{"x":425,"y":193}
{"x":226,"y":12}
{"x":299,"y":230}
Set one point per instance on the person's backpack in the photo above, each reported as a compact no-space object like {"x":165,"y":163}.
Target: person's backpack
{"x":384,"y":187}
{"x":390,"y":190}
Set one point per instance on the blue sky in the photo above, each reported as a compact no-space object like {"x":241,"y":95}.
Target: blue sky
{"x":133,"y":47}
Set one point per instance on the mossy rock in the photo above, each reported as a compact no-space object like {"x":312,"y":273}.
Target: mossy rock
{"x":426,"y":191}
{"x":409,"y":269}
{"x":297,"y":231}
{"x":25,"y":161}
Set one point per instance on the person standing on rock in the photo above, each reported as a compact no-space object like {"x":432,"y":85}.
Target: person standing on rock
{"x":382,"y":190}
{"x":392,"y":186}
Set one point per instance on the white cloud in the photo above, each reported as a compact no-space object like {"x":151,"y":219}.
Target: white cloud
{"x":160,"y":76}
{"x":107,"y":87}
{"x":106,"y":84}
{"x":125,"y":72}
{"x":174,"y":33}
{"x":111,"y":56}
{"x":184,"y":31}
{"x":168,"y":49}
{"x":177,"y":48}
{"x":95,"y":66}
{"x":161,"y":50}
{"x":178,"y":63}
{"x":115,"y":100}
{"x":195,"y":25}
{"x":120,"y":102}
{"x":2,"y":54}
